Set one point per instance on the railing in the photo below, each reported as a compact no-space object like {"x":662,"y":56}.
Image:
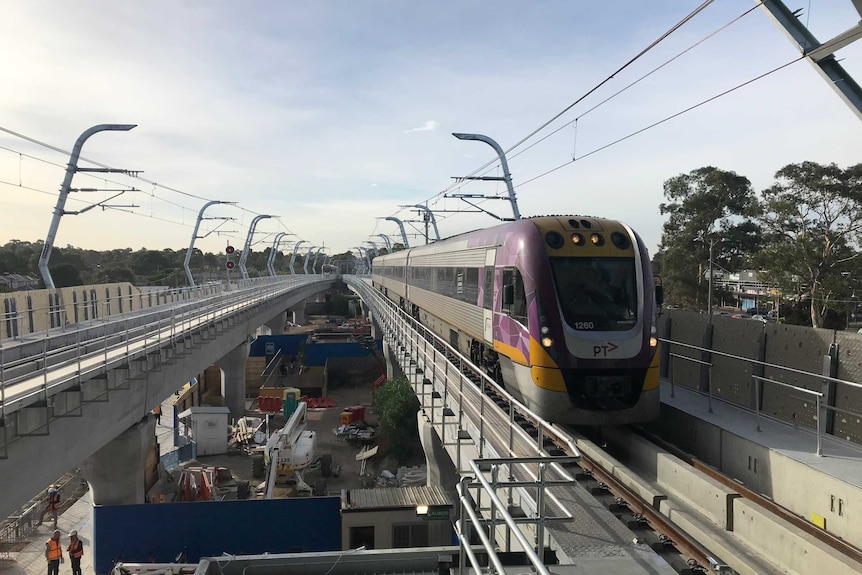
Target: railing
{"x":17,"y":528}
{"x":427,"y":346}
{"x":500,"y":512}
{"x":759,"y":383}
{"x":457,"y":401}
{"x":68,"y":356}
{"x":16,"y":324}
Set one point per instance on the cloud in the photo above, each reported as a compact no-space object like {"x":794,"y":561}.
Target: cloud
{"x":429,"y":126}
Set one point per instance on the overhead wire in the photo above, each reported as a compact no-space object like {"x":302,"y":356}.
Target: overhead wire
{"x":610,"y":77}
{"x":662,"y":121}
{"x":436,"y":198}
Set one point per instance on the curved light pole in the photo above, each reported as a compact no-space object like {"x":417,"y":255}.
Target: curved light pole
{"x":429,"y":216}
{"x":271,"y":258}
{"x":194,"y":237}
{"x":244,"y":256}
{"x":506,"y":175}
{"x":59,"y":209}
{"x":364,"y":251}
{"x":307,"y":257}
{"x":387,"y":241}
{"x":293,"y":257}
{"x":401,"y":227}
{"x":374,"y":247}
{"x":316,"y":257}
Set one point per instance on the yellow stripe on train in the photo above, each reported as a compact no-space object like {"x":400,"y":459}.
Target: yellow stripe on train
{"x":544,"y":370}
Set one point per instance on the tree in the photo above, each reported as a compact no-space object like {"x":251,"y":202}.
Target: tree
{"x":707,"y":203}
{"x":813,"y":217}
{"x":396,"y":405}
{"x":65,"y":275}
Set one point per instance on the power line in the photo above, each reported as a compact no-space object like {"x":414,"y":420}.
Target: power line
{"x":649,"y":47}
{"x":662,"y":121}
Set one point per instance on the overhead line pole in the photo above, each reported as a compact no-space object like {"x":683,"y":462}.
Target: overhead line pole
{"x":71,"y":168}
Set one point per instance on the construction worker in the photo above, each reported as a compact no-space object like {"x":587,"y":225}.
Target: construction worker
{"x":76,"y":551}
{"x":52,"y":504}
{"x":54,"y":553}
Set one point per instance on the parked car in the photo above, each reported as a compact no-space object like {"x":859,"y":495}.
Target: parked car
{"x":741,"y":316}
{"x":763,"y":318}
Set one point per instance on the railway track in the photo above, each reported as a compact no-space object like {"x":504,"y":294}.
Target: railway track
{"x":692,"y":535}
{"x":682,"y":552}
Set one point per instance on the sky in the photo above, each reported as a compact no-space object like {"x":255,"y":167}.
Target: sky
{"x":332,"y":115}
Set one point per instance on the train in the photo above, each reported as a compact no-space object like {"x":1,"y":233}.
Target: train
{"x":559,"y":310}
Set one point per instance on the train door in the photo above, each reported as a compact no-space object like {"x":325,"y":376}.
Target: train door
{"x":488,"y":298}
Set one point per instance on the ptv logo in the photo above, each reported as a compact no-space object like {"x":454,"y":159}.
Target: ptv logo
{"x":603,"y":350}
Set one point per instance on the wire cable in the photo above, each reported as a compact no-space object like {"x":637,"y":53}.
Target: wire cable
{"x":631,"y":61}
{"x":662,"y":121}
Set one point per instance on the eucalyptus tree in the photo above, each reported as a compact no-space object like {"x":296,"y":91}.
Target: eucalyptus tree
{"x":706,"y":207}
{"x":812,"y":216}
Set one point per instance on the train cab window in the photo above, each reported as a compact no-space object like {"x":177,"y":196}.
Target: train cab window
{"x":514,"y":297}
{"x":597,"y":293}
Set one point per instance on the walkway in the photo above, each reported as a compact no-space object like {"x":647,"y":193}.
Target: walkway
{"x":31,"y":560}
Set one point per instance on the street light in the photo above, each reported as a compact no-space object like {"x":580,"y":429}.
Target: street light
{"x":712,"y":241}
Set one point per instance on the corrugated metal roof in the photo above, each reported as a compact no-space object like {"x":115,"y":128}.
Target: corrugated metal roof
{"x":398,"y":497}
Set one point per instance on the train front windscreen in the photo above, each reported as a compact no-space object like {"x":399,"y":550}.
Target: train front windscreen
{"x":597,"y":294}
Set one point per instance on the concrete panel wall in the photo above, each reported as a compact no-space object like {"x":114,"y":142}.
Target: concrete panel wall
{"x":800,"y":348}
{"x":796,"y":550}
{"x":848,"y":426}
{"x":689,"y":328}
{"x":797,"y":347}
{"x":801,"y":489}
{"x":731,"y":380}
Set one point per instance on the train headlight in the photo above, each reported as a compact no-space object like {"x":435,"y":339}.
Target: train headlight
{"x":545,"y":330}
{"x":653,"y":341}
{"x":547,"y":341}
{"x":597,"y":239}
{"x":578,"y":239}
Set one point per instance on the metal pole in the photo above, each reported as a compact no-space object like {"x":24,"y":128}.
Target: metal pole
{"x":194,"y":237}
{"x":71,"y":168}
{"x":819,"y":447}
{"x":307,"y":257}
{"x":374,"y":247}
{"x":245,"y":250}
{"x":293,"y":257}
{"x":401,"y":226}
{"x":709,"y":283}
{"x":429,"y":217}
{"x":387,"y":241}
{"x":271,"y":258}
{"x":506,"y":175}
{"x":316,"y":257}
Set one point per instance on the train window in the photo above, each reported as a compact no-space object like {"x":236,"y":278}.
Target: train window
{"x":488,"y":286}
{"x":597,"y":293}
{"x":512,"y":280}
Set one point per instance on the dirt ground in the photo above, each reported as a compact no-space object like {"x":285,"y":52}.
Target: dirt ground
{"x":324,"y":421}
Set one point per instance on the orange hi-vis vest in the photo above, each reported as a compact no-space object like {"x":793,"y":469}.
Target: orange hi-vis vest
{"x":55,"y":551}
{"x":76,"y":549}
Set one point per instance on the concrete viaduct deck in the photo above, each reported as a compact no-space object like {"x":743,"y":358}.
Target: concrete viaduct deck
{"x":66,"y":393}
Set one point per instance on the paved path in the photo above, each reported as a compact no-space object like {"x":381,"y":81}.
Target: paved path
{"x":31,"y":560}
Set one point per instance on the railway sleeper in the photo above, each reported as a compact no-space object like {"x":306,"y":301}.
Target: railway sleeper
{"x":637,"y":521}
{"x":619,"y":504}
{"x":600,"y":488}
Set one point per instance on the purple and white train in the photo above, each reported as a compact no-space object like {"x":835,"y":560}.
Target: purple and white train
{"x":560,"y":310}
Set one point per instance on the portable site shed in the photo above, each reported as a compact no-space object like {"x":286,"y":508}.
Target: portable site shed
{"x":208,"y":428}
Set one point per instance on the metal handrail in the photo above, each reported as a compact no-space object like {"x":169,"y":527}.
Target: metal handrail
{"x":402,"y":321}
{"x":757,"y":383}
{"x":818,"y":395}
{"x":116,"y":340}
